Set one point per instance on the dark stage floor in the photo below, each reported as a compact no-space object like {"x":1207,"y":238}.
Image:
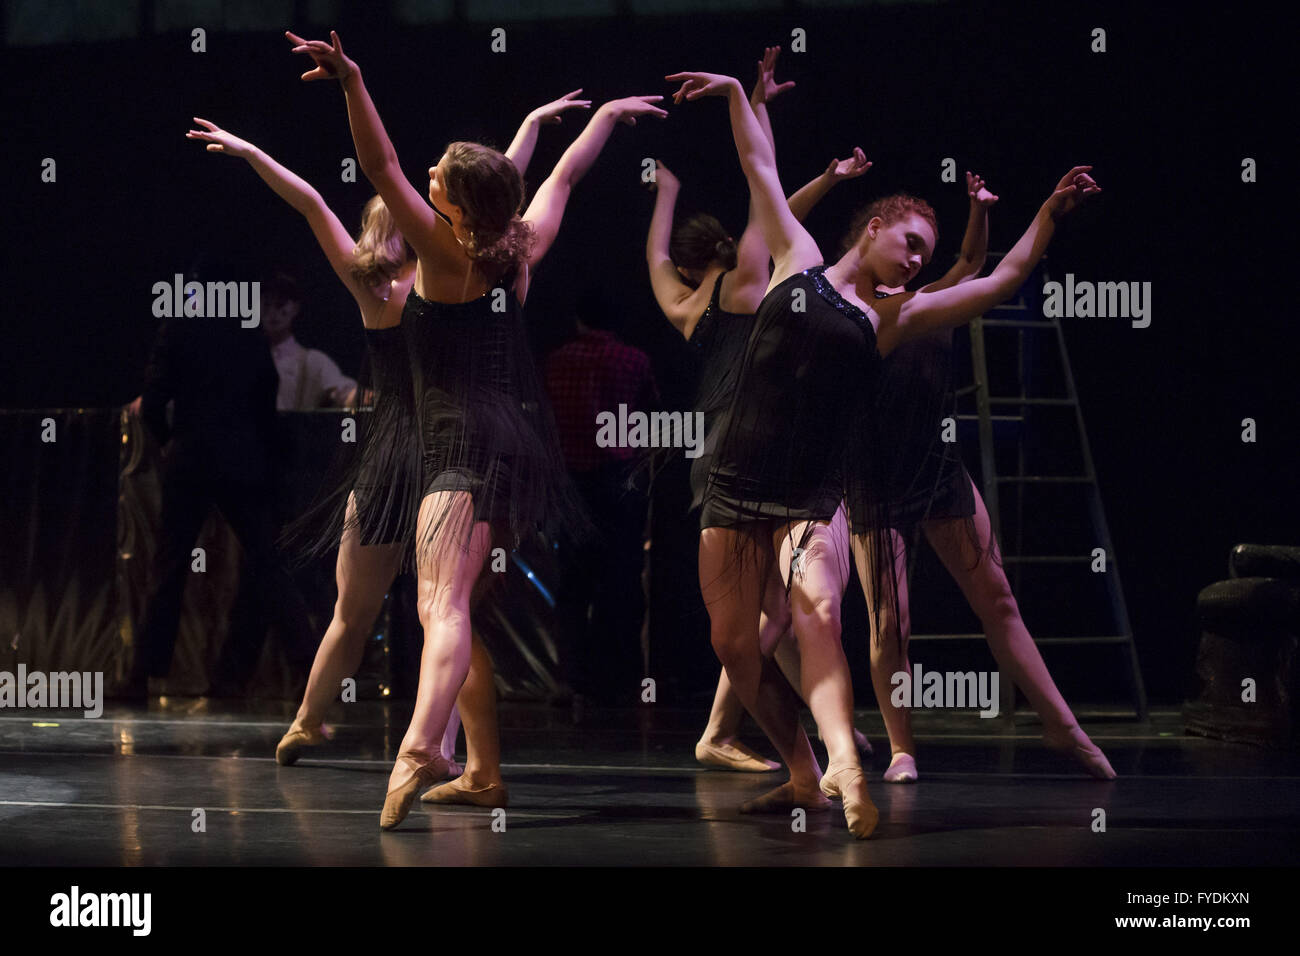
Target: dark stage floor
{"x":622,"y":789}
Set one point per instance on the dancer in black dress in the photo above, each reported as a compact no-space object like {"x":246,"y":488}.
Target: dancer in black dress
{"x":701,"y":256}
{"x":489,"y":465}
{"x":363,"y":515}
{"x":801,"y":433}
{"x":933,"y":493}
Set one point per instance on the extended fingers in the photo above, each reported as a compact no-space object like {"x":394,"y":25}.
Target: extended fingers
{"x":1073,"y":174}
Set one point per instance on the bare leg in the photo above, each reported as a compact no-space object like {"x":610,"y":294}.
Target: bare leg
{"x":891,"y":628}
{"x":719,"y":746}
{"x":448,"y":565}
{"x":989,"y":595}
{"x":480,"y":784}
{"x":786,"y":650}
{"x":816,"y":592}
{"x":363,"y":575}
{"x":450,"y":735}
{"x":731,"y":584}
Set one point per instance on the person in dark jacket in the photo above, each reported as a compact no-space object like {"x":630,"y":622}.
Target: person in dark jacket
{"x":218,"y":450}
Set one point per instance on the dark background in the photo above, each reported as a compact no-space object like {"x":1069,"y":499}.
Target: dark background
{"x":1165,"y":116}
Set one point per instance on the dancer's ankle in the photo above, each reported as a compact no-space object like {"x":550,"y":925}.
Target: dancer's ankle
{"x":716,"y":736}
{"x":840,"y":760}
{"x":1060,"y":728}
{"x":480,"y":776}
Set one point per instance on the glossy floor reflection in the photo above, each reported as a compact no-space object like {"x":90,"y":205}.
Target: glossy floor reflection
{"x":622,"y":788}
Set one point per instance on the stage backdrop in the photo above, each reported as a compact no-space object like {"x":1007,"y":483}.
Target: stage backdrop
{"x":80,"y":520}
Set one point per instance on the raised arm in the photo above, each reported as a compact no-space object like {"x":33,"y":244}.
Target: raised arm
{"x":375,"y":154}
{"x":911,"y":314}
{"x":546,"y":211}
{"x":975,"y":244}
{"x":790,"y":245}
{"x":751,"y":275}
{"x":521,"y":148}
{"x":766,"y":89}
{"x":811,"y":193}
{"x":333,"y":239}
{"x":682,"y":306}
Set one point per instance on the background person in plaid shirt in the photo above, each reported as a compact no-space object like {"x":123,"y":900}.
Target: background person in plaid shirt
{"x":602,"y":604}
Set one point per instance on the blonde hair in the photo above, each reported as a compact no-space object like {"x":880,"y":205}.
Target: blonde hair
{"x":381,"y":250}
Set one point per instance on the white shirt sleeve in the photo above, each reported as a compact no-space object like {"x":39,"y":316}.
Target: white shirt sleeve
{"x":325,"y":375}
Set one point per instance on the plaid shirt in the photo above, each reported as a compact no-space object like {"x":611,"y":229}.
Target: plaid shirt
{"x":592,"y":374}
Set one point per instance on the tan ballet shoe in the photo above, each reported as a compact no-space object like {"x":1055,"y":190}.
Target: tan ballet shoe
{"x":1074,"y":742}
{"x":861,"y":815}
{"x":736,"y":757}
{"x":459,"y":792}
{"x":783,"y":799}
{"x":422,"y":771}
{"x":296,"y":737}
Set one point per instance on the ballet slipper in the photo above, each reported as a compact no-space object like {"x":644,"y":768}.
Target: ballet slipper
{"x":862,"y":743}
{"x":902,"y":769}
{"x":1073,"y":741}
{"x":459,"y":791}
{"x":422,"y":771}
{"x":785,"y":798}
{"x":733,"y":756}
{"x":295,"y":738}
{"x":850,"y":786}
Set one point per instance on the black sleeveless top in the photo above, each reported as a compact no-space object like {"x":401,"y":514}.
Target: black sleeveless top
{"x":782,"y":448}
{"x":459,"y":413}
{"x":482,"y":423}
{"x":720,"y":339}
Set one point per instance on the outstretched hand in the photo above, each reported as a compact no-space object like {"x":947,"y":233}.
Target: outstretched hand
{"x":850,"y":168}
{"x":220,"y":141}
{"x":629,"y":108}
{"x":978,"y":193}
{"x":331,"y":63}
{"x":664,"y":178}
{"x":695,"y":85}
{"x":766,"y":88}
{"x":550,"y":113}
{"x":1074,"y":187}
